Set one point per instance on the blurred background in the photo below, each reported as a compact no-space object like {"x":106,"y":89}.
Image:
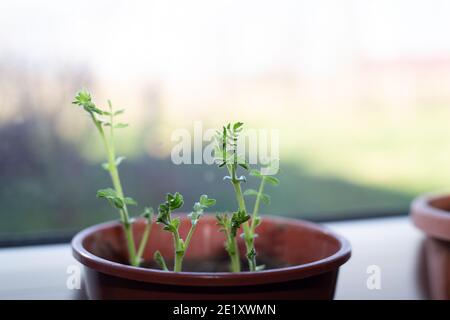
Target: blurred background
{"x":359,"y":89}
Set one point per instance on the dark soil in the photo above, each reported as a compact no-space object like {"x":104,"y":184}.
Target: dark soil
{"x":220,"y":264}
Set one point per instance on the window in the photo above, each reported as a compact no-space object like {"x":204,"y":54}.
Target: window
{"x":358,"y":89}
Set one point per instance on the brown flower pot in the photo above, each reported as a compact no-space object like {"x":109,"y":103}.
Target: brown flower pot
{"x":432,"y":215}
{"x":435,"y":263}
{"x":308,"y":256}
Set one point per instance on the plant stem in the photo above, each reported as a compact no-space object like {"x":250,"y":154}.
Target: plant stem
{"x":248,"y":234}
{"x":189,"y":236}
{"x":130,"y":243}
{"x":178,"y":253}
{"x":178,"y":262}
{"x":162,"y":262}
{"x":181,"y":251}
{"x":125,"y":217}
{"x":257,"y":202}
{"x":110,"y":150}
{"x":235,"y":261}
{"x":143,"y":243}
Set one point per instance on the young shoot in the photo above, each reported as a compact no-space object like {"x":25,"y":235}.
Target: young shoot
{"x":105,"y":123}
{"x":227,"y":155}
{"x":173,"y":202}
{"x":229,"y":226}
{"x":260,"y":196}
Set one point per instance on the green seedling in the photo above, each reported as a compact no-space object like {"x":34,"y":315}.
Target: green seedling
{"x":260,"y":196}
{"x":173,"y":202}
{"x":227,"y":156}
{"x":226,"y":153}
{"x":105,"y":123}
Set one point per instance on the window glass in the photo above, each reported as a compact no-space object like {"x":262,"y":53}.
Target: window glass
{"x":359,"y":91}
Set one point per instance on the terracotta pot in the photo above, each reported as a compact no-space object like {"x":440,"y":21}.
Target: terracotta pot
{"x":435,"y":267}
{"x":432,"y":215}
{"x":311,"y":256}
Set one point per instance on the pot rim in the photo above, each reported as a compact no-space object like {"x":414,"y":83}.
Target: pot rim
{"x":432,"y":220}
{"x":244,"y":278}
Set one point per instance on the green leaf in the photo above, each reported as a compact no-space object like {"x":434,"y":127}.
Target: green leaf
{"x":163,"y":214}
{"x":207,"y":202}
{"x":255,"y":173}
{"x":175,"y":223}
{"x":250,"y":192}
{"x":272,"y":180}
{"x":115,"y":201}
{"x":159,"y":259}
{"x":118,"y":203}
{"x":105,"y":193}
{"x":198,"y":208}
{"x":118,"y":112}
{"x":129,"y":201}
{"x":195,"y":216}
{"x":265,"y":198}
{"x":244,"y":166}
{"x":83,"y":98}
{"x":257,"y":221}
{"x":174,"y":201}
{"x":94,"y":109}
{"x":105,"y":166}
{"x":237,"y":126}
{"x":237,"y":219}
{"x":148,"y":214}
{"x":260,"y":267}
{"x":196,"y":213}
{"x":119,"y":160}
{"x":169,"y":228}
{"x":121,"y":125}
{"x":226,"y":146}
{"x":222,"y":219}
{"x":224,"y":222}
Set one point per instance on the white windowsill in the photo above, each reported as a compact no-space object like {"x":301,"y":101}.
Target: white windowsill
{"x":40,"y":272}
